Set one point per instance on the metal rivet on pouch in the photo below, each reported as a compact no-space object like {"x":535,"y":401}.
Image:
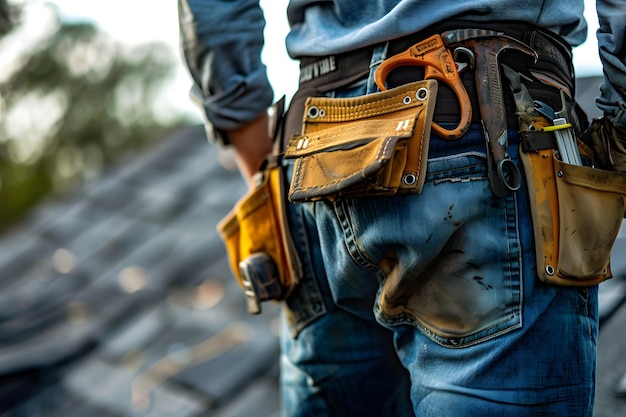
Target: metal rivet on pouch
{"x":550,"y":270}
{"x":409,"y":179}
{"x":421,"y":94}
{"x":406,"y":100}
{"x":313,"y":112}
{"x":559,"y":174}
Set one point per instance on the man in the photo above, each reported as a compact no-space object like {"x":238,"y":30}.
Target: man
{"x":426,"y":303}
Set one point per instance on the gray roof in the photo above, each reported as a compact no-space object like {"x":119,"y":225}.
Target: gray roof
{"x":117,"y":299}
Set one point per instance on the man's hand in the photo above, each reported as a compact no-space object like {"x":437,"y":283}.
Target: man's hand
{"x":252,"y":143}
{"x":608,"y":143}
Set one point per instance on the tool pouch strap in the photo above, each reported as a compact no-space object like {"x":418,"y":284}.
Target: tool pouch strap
{"x":364,"y":146}
{"x":577,"y":212}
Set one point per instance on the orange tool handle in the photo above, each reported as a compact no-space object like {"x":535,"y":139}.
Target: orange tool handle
{"x":437,"y":61}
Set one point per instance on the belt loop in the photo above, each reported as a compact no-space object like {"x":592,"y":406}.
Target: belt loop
{"x":379,"y":54}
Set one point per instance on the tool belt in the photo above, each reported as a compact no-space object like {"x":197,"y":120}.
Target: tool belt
{"x":319,"y":75}
{"x":476,"y":95}
{"x":377,"y":145}
{"x":576,"y":210}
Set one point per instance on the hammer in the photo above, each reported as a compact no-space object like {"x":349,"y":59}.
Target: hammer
{"x":486,"y":47}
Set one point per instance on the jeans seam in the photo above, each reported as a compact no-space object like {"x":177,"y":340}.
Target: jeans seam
{"x":307,"y":295}
{"x":353,"y":249}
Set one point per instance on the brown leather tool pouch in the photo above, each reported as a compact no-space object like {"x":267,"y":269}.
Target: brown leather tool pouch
{"x":577,"y":212}
{"x":258,"y":242}
{"x":364,"y":146}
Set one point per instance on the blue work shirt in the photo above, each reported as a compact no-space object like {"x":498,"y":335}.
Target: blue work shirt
{"x":222,"y":41}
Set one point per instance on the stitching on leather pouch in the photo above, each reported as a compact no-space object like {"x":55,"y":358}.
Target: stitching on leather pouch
{"x":297,"y":174}
{"x":383,"y":150}
{"x":379,"y":109}
{"x":421,"y":151}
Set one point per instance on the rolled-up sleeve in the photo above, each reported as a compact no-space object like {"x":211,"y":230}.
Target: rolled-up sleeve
{"x":611,"y":43}
{"x":221,"y":42}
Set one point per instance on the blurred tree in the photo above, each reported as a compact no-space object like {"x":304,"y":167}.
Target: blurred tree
{"x":5,"y":18}
{"x":72,"y":104}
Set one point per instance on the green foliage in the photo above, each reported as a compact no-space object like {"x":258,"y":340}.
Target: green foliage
{"x":5,"y":18}
{"x":72,"y":105}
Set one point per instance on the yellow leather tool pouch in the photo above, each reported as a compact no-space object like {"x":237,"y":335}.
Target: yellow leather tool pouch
{"x":363,"y":146}
{"x":577,"y":212}
{"x":258,"y":242}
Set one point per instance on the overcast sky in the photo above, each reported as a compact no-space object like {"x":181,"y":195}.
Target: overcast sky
{"x":158,"y":21}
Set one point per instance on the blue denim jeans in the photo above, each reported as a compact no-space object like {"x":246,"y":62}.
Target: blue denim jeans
{"x":430,"y":305}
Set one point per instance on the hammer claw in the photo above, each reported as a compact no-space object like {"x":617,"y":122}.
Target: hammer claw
{"x":487,"y":47}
